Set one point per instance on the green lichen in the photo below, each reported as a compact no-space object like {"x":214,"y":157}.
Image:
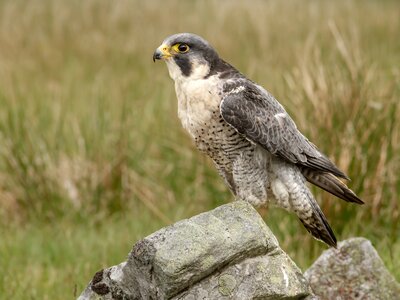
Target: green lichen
{"x":227,"y":284}
{"x":208,"y":262}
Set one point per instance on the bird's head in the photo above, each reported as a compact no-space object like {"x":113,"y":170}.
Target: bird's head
{"x":188,"y":56}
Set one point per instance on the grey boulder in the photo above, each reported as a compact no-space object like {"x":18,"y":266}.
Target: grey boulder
{"x":352,"y":271}
{"x":226,"y":253}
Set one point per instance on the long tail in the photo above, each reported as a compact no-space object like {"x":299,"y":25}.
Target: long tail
{"x":315,"y":222}
{"x":299,"y":200}
{"x":313,"y":218}
{"x":331,"y":184}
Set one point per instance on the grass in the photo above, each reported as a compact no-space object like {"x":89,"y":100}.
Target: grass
{"x":92,"y":154}
{"x":53,"y":261}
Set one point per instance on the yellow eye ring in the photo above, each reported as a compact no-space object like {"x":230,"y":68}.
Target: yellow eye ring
{"x":181,"y":48}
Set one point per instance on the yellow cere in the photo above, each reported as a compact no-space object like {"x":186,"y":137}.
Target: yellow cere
{"x":165,"y":50}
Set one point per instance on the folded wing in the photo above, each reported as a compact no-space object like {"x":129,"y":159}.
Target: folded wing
{"x":260,"y":118}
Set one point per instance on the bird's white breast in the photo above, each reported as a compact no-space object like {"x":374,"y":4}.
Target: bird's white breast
{"x":198,"y":100}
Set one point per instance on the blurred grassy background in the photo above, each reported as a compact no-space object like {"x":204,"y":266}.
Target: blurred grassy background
{"x":93,"y":156}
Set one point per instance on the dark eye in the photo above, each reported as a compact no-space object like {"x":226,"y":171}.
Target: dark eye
{"x":183,"y":48}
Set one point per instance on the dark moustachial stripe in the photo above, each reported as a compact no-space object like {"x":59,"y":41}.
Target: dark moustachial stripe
{"x":184,"y":64}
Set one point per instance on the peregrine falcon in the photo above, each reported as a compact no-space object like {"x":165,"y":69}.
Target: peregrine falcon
{"x":253,"y":142}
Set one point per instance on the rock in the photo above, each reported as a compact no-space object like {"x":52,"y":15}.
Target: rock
{"x":109,"y":284}
{"x":177,"y":256}
{"x":227,"y":253}
{"x":352,"y":271}
{"x":270,"y":276}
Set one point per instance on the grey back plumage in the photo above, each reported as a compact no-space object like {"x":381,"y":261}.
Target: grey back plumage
{"x":259,"y":117}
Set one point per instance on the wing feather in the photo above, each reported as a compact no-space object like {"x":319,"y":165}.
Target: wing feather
{"x":258,"y":116}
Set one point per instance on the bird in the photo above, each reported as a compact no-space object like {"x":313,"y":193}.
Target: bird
{"x":255,"y":145}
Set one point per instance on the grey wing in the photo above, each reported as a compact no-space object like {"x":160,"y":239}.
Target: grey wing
{"x":259,"y":117}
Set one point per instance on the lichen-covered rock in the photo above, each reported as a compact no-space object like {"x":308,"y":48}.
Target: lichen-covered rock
{"x":226,"y":253}
{"x":352,"y":271}
{"x":177,"y":256}
{"x":108,"y":284}
{"x":270,"y":276}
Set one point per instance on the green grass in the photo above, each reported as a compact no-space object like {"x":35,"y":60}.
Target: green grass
{"x":93,"y":156}
{"x":55,"y":261}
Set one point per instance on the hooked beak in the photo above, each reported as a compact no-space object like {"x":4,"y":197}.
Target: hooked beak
{"x":162,"y":52}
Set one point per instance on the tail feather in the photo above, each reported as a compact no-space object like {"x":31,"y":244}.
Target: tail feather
{"x":331,"y":184}
{"x":323,"y":164}
{"x":307,"y":210}
{"x":317,"y":225}
{"x":296,"y":197}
